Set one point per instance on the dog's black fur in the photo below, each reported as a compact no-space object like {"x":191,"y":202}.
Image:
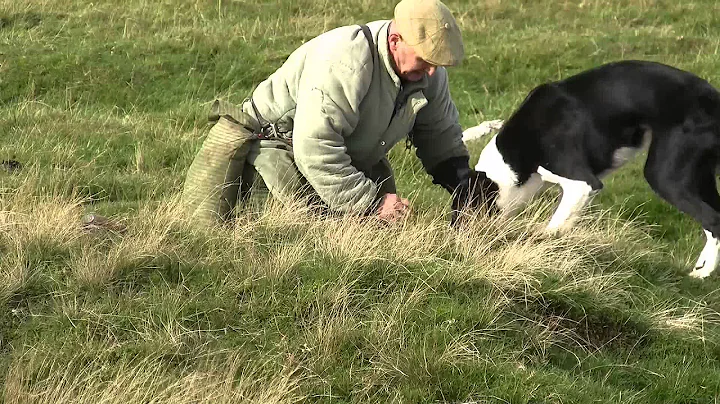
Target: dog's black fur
{"x":573,"y":128}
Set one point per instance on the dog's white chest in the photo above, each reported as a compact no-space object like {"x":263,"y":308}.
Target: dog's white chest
{"x":492,"y":163}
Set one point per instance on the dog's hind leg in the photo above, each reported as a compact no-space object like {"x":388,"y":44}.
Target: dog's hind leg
{"x":684,"y":175}
{"x":708,"y":259}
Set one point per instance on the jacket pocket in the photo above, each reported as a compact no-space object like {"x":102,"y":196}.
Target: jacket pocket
{"x":403,"y":121}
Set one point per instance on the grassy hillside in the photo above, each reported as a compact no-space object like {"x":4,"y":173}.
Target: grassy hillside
{"x":105,"y":105}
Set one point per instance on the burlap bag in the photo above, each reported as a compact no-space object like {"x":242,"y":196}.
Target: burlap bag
{"x":213,"y":180}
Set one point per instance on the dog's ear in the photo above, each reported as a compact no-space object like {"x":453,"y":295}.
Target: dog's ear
{"x":479,"y":192}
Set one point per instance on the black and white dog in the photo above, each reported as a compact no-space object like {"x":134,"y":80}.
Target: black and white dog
{"x":575,"y":131}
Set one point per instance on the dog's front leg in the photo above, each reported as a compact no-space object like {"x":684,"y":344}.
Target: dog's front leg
{"x":575,"y":195}
{"x":708,"y":259}
{"x":514,"y":198}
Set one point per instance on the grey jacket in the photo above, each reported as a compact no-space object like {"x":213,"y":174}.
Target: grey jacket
{"x":346,"y":109}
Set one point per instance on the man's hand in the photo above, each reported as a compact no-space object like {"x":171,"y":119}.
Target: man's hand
{"x":392,"y":207}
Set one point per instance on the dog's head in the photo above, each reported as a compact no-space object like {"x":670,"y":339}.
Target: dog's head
{"x":479,"y":193}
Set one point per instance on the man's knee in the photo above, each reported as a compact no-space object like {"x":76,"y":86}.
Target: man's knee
{"x":274,"y":162}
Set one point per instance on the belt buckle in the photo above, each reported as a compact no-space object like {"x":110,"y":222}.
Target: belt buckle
{"x":269,"y":131}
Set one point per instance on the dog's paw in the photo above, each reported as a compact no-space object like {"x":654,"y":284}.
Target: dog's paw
{"x":553,"y":231}
{"x":708,"y":259}
{"x":702,"y":270}
{"x":700,"y":273}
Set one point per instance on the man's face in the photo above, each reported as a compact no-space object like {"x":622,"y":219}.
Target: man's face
{"x":408,"y":65}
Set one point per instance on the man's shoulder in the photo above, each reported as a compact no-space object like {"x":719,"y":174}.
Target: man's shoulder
{"x":347,"y":46}
{"x":350,"y":31}
{"x":437,"y":83}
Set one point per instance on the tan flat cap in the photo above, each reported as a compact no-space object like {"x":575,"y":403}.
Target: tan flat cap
{"x":430,"y":29}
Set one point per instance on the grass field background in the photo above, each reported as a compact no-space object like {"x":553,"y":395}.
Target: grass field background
{"x":105,"y":104}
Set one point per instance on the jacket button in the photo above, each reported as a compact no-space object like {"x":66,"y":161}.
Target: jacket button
{"x":382,"y":143}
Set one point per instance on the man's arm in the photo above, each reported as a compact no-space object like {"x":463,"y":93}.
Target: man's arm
{"x":327,"y":108}
{"x":438,"y":136}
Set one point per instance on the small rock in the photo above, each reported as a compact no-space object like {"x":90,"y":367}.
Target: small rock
{"x":93,"y":221}
{"x":11,"y":165}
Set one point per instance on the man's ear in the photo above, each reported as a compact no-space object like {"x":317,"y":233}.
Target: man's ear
{"x":393,"y":41}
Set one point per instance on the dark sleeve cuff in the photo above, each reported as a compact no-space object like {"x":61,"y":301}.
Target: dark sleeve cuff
{"x":451,"y":172}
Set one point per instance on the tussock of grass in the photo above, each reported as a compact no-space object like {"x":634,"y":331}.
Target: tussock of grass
{"x":13,"y":271}
{"x":39,"y":377}
{"x":380,"y":285}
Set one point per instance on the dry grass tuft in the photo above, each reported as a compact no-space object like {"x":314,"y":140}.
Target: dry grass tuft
{"x":220,"y":378}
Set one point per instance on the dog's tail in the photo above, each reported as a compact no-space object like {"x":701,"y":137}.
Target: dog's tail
{"x":476,"y":132}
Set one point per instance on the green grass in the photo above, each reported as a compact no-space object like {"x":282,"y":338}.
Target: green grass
{"x":105,"y":103}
